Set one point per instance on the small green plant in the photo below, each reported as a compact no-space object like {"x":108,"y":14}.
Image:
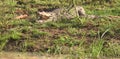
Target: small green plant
{"x":3,"y":44}
{"x":92,"y":33}
{"x":67,"y":45}
{"x":83,"y":20}
{"x":64,"y":40}
{"x":36,"y":33}
{"x":73,"y":31}
{"x":26,"y":45}
{"x":10,"y":2}
{"x":15,"y":35}
{"x":96,"y":48}
{"x":22,"y":22}
{"x":111,"y":49}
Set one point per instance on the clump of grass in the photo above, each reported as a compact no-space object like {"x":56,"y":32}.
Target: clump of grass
{"x":37,"y":33}
{"x":15,"y":35}
{"x":56,"y":24}
{"x":6,"y":37}
{"x":26,"y":45}
{"x":10,"y":2}
{"x":96,"y":48}
{"x":65,"y":45}
{"x":51,"y":24}
{"x":111,"y":49}
{"x":92,"y":33}
{"x":73,"y":31}
{"x":2,"y":44}
{"x":20,"y":22}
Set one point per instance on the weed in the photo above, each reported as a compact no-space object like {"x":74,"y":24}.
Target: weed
{"x":112,"y":49}
{"x":37,"y":34}
{"x":96,"y":48}
{"x":73,"y":31}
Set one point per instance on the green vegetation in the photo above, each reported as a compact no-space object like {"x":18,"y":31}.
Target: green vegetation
{"x":79,"y":38}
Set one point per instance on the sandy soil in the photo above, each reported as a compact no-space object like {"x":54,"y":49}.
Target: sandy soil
{"x":19,"y":55}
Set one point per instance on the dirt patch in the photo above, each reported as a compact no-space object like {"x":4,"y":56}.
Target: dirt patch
{"x":20,"y":55}
{"x":23,"y":55}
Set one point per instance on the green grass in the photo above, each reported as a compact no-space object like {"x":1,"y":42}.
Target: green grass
{"x":79,"y":38}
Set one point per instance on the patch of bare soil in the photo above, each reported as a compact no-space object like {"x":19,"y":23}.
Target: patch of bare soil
{"x":20,"y":55}
{"x":54,"y":31}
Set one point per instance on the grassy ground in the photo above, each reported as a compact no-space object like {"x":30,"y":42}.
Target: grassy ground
{"x":77,"y":38}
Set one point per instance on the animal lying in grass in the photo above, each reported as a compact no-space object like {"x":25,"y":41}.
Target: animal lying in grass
{"x":62,"y":13}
